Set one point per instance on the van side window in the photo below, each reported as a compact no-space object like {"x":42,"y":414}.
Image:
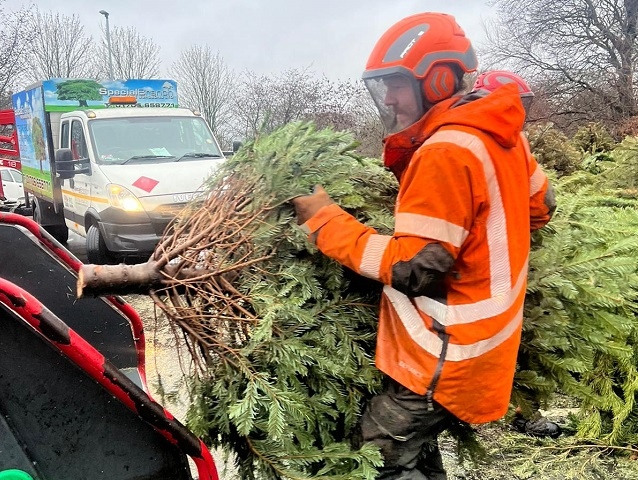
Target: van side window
{"x":78,"y":143}
{"x":64,"y":134}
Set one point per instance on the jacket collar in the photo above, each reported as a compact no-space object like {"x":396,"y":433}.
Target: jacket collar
{"x":399,"y":147}
{"x":499,"y":114}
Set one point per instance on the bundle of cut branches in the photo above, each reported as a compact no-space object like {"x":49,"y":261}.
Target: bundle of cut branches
{"x":283,"y":336}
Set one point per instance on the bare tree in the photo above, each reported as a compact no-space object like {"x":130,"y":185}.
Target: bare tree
{"x":264,"y":103}
{"x":15,"y":42}
{"x":582,"y":53}
{"x":336,"y":104}
{"x":347,"y":105}
{"x":368,"y":129}
{"x":207,"y":84}
{"x":252,"y":104}
{"x":60,"y":48}
{"x":134,"y":56}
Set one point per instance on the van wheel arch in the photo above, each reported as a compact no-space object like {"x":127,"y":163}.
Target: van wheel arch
{"x":58,"y":231}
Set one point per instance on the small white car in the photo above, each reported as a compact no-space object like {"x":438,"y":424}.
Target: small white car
{"x":12,"y":187}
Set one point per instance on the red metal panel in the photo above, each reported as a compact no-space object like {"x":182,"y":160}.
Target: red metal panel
{"x":8,"y":135}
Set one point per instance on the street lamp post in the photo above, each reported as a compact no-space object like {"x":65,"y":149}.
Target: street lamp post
{"x":108,"y":43}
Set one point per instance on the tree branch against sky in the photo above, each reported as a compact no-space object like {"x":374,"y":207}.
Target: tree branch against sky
{"x":206,"y":83}
{"x":582,"y":52}
{"x":60,"y":48}
{"x":264,"y":103}
{"x":134,"y":55}
{"x":14,"y":44}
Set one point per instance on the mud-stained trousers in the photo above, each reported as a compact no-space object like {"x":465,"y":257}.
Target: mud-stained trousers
{"x":406,"y":430}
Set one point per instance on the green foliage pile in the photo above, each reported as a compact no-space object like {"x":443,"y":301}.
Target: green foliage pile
{"x":286,"y":398}
{"x":579,"y":332}
{"x":552,"y":149}
{"x":595,"y":143}
{"x":593,"y":138}
{"x":622,"y":173}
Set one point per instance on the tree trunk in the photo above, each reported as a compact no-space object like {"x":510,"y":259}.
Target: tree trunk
{"x":101,"y":280}
{"x":96,"y":280}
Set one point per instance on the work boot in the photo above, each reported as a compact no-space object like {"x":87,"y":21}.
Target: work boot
{"x":537,"y":427}
{"x":430,"y":462}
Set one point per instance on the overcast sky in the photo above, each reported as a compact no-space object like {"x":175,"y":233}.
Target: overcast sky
{"x":331,"y":37}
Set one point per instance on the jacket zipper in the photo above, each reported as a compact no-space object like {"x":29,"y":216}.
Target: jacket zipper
{"x":440,"y":330}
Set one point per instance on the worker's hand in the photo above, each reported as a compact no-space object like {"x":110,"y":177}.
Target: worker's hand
{"x":307,"y":205}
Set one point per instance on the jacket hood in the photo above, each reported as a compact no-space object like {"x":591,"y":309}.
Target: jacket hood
{"x":500,"y":114}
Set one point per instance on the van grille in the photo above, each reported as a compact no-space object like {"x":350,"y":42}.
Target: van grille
{"x":168,"y":210}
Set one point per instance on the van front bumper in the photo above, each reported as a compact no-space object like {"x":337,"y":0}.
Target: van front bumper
{"x":135,"y":233}
{"x":132,"y":239}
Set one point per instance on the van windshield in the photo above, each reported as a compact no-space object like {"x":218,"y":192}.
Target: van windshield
{"x":119,"y":141}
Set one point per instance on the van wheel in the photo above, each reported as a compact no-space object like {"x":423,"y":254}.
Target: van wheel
{"x":96,"y":251}
{"x":59,"y":232}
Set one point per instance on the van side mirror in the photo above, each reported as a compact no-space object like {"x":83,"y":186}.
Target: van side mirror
{"x":67,"y":167}
{"x":236,"y":145}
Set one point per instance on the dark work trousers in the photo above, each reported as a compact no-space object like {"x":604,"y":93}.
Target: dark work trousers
{"x":399,"y":422}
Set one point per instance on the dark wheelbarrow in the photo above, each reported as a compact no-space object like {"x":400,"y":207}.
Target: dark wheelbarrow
{"x":73,"y":395}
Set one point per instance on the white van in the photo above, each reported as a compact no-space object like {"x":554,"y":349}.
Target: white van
{"x":116,"y":176}
{"x":144,"y":166}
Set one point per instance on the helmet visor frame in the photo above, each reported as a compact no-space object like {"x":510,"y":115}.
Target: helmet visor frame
{"x":397,"y":96}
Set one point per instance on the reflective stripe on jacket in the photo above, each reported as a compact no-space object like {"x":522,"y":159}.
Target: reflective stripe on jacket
{"x":462,"y":224}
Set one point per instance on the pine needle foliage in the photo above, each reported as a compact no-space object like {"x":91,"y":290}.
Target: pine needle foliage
{"x":579,"y":328}
{"x":552,"y":149}
{"x":623,"y":171}
{"x":285,"y":336}
{"x":285,"y":377}
{"x":593,"y":138}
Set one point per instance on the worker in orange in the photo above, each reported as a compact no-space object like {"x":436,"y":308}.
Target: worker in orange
{"x":487,"y":82}
{"x":455,"y":269}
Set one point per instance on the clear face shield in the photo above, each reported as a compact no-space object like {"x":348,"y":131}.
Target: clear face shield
{"x":398,"y":98}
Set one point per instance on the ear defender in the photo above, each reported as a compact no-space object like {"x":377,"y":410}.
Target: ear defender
{"x":440,"y":83}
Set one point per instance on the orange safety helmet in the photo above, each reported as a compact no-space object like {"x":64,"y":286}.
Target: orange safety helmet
{"x":430,"y":49}
{"x":493,"y":79}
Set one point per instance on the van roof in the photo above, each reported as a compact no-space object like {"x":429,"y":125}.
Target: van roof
{"x":134,"y":112}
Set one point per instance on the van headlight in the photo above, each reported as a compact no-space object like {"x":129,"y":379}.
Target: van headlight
{"x":120,"y":197}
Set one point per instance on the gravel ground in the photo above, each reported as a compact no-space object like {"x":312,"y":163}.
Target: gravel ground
{"x":167,"y":365}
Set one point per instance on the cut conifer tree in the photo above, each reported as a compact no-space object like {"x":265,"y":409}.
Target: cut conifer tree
{"x":283,"y":337}
{"x":580,"y":329}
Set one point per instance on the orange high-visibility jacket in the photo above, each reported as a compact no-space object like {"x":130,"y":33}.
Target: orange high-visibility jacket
{"x":455,"y":269}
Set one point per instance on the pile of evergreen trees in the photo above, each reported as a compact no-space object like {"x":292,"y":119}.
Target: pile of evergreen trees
{"x":579,"y":334}
{"x":286,"y":398}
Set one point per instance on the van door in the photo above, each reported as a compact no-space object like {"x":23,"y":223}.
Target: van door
{"x":76,"y":191}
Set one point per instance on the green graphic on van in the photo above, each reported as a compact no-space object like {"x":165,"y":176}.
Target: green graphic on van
{"x":66,"y":95}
